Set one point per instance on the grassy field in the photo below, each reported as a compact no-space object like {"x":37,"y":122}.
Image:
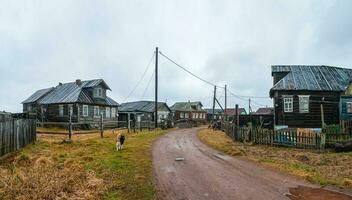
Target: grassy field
{"x":87,"y":168}
{"x":326,"y":168}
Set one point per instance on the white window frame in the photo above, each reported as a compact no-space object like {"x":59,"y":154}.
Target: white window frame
{"x":113,"y":112}
{"x":348,"y":104}
{"x":186,"y":115}
{"x":182,"y":115}
{"x":61,"y":110}
{"x":98,"y":92}
{"x":303,"y":99}
{"x":193,"y":115}
{"x":85,"y":110}
{"x":107,"y":112}
{"x":96,"y":111}
{"x":288,"y":104}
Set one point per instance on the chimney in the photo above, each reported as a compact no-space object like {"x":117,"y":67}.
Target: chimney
{"x":78,"y":82}
{"x":60,"y":83}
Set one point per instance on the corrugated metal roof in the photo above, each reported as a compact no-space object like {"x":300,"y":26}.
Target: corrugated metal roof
{"x":143,"y":106}
{"x":37,"y":95}
{"x":265,"y":111}
{"x":318,"y":78}
{"x":186,"y":106}
{"x":72,"y":93}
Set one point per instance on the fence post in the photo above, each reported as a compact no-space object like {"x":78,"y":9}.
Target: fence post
{"x":237,"y":120}
{"x":322,"y":140}
{"x":128,"y":122}
{"x":101,"y":125}
{"x":70,"y":126}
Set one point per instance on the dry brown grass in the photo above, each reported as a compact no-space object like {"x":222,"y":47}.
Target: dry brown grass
{"x":87,"y":168}
{"x":318,"y":167}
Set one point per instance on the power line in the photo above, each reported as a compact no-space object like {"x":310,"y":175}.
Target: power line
{"x":186,"y":70}
{"x":146,"y":88}
{"x":140,"y":80}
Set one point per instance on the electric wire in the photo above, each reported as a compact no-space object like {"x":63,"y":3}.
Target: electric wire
{"x":140,"y":80}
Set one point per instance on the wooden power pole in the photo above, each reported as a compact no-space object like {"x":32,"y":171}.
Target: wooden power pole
{"x":214,"y":98}
{"x":225,"y":103}
{"x":156,"y":87}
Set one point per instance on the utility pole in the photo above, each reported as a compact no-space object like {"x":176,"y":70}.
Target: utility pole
{"x":225,"y":103}
{"x":249,"y":106}
{"x":156,"y":87}
{"x":214,"y":102}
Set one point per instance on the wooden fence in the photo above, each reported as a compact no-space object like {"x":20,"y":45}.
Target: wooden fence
{"x":16,"y":133}
{"x":285,"y":137}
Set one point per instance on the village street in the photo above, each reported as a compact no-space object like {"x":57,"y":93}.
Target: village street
{"x":208,"y":174}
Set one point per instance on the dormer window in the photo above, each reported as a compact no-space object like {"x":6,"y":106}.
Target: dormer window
{"x":98,"y":92}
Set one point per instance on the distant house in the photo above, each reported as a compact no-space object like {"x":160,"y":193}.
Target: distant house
{"x":264,"y":111}
{"x":299,"y":91}
{"x":219,"y":113}
{"x":143,"y":111}
{"x":189,"y":111}
{"x":86,"y":100}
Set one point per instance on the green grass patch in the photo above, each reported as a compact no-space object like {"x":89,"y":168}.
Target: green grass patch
{"x":88,"y":168}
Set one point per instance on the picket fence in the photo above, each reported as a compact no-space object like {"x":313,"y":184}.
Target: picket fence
{"x":16,"y":133}
{"x":286,"y":137}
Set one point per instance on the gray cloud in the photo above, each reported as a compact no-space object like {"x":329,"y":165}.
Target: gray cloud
{"x":232,"y":42}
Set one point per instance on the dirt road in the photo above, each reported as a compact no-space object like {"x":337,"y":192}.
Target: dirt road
{"x":208,"y":174}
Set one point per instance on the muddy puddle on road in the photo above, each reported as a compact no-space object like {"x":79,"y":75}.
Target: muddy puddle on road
{"x":307,"y":193}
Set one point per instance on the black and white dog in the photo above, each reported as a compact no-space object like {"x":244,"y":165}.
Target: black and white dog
{"x":119,"y":142}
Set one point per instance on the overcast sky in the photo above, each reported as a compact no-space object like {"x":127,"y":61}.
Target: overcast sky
{"x":230,"y":42}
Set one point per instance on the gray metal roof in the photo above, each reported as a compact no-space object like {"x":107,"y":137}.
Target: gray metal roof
{"x":72,"y":93}
{"x":317,"y":78}
{"x":37,"y":95}
{"x":143,"y":106}
{"x":186,"y":106}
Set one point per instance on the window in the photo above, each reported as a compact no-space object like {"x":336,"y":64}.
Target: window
{"x":96,"y":110}
{"x":182,"y":115}
{"x":288,"y":104}
{"x":98,"y":92}
{"x":85,"y":110}
{"x":303,"y":104}
{"x":29,"y":108}
{"x":70,"y":109}
{"x":61,"y":110}
{"x":107,"y":112}
{"x":113,"y":112}
{"x":193,"y":115}
{"x":349,"y":107}
{"x":187,"y":115}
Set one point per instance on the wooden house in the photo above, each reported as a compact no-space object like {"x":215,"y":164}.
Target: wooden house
{"x":144,"y":111}
{"x":264,"y":111}
{"x":346,"y":104}
{"x":85,"y":100}
{"x":189,"y":111}
{"x":305,"y":95}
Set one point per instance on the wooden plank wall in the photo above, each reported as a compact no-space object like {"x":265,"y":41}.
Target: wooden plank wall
{"x":16,"y":134}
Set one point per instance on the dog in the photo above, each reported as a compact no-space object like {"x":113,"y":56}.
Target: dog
{"x":119,"y":141}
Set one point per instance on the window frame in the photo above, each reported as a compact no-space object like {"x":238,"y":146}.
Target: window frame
{"x":289,"y":108}
{"x":347,"y":104}
{"x":85,"y":108}
{"x":186,"y":115}
{"x":107,"y":111}
{"x":113,"y":112}
{"x":301,"y":110}
{"x":98,"y":92}
{"x":61,"y":110}
{"x":96,"y":111}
